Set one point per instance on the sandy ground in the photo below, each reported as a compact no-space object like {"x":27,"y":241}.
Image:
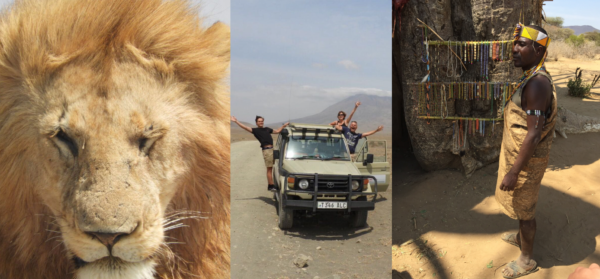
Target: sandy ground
{"x":562,"y":71}
{"x":449,"y":226}
{"x":261,"y":250}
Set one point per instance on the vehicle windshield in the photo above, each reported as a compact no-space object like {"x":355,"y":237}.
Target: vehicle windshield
{"x":320,"y":148}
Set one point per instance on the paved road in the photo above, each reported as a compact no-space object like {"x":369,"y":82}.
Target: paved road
{"x":261,"y":250}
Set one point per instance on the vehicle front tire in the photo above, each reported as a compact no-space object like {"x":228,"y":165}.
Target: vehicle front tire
{"x":358,"y":219}
{"x":286,"y":216}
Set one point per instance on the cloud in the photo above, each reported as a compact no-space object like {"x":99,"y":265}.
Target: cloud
{"x":319,"y":65}
{"x":348,"y":64}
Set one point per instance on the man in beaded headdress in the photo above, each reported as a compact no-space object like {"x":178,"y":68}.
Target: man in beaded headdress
{"x":529,"y":118}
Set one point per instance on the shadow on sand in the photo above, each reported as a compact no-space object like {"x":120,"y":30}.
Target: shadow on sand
{"x":567,"y":226}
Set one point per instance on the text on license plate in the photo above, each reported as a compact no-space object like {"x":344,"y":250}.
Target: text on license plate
{"x":332,"y":205}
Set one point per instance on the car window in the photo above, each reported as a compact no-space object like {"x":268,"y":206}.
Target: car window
{"x":320,"y":148}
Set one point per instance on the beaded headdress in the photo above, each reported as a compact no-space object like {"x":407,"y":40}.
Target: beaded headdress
{"x":532,"y":34}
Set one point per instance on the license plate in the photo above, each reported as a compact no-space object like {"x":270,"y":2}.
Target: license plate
{"x":332,"y":205}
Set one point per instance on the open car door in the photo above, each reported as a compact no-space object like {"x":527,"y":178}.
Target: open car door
{"x":380,"y":168}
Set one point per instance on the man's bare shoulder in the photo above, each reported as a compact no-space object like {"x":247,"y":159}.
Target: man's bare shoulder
{"x":538,"y":87}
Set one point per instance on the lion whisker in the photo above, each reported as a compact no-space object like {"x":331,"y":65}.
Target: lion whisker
{"x":180,"y":225}
{"x":167,"y":222}
{"x":182,"y":218}
{"x":180,"y":212}
{"x":59,"y":243}
{"x":54,"y":237}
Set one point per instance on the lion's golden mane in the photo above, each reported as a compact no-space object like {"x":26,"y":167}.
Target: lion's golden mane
{"x":37,"y":40}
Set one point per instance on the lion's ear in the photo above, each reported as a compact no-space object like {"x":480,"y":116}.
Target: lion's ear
{"x":219,"y":34}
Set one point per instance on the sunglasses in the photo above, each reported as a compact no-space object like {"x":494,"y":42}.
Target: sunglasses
{"x":341,"y":114}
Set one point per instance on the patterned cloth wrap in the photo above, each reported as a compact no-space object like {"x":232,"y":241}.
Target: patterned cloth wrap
{"x":520,"y":204}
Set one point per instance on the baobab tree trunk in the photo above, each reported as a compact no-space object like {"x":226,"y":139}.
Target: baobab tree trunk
{"x":455,"y":20}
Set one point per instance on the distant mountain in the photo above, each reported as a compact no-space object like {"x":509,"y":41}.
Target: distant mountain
{"x":580,"y":29}
{"x":373,"y":111}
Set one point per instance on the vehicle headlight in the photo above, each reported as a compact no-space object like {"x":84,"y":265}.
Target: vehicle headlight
{"x":303,"y":184}
{"x":355,"y":185}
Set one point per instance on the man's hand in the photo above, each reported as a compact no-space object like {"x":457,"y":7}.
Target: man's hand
{"x":357,"y":104}
{"x":379,"y":128}
{"x":240,"y":124}
{"x":280,"y":128}
{"x":592,"y":272}
{"x":509,"y":182}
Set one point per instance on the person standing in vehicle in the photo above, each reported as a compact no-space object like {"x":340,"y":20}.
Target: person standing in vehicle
{"x":352,"y":136}
{"x":263,"y":135}
{"x":342,"y":117}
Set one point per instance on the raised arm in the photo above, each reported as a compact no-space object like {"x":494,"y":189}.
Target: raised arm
{"x":352,"y":113}
{"x":240,"y":124}
{"x":281,"y":128}
{"x":372,"y":132}
{"x":538,"y":92}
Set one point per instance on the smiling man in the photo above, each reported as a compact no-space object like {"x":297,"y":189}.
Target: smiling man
{"x":263,"y":135}
{"x":352,"y":136}
{"x":529,"y":118}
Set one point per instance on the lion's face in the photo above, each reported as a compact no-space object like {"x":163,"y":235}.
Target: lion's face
{"x":112,"y":158}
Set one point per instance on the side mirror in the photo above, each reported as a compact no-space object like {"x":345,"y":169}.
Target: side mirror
{"x":369,"y":159}
{"x":275,"y":155}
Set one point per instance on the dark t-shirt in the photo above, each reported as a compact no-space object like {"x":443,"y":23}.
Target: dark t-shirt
{"x":263,"y":135}
{"x":351,"y":137}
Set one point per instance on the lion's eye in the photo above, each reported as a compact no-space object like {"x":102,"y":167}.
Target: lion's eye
{"x":70,"y":143}
{"x":145,"y":144}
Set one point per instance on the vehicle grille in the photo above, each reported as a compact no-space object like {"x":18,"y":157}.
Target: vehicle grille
{"x":331,"y":185}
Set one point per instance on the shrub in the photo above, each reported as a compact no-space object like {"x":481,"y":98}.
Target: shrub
{"x":576,"y":41}
{"x":556,"y":21}
{"x":593,"y":36}
{"x":557,"y":33}
{"x":588,"y":50}
{"x":579,"y":89}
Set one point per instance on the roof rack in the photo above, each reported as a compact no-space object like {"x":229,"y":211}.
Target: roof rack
{"x":301,"y":126}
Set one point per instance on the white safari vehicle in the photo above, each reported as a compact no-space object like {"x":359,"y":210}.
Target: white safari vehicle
{"x":313,"y":173}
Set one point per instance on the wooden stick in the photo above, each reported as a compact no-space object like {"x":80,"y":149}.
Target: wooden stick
{"x":443,"y":40}
{"x":450,"y":82}
{"x":456,"y":42}
{"x":460,"y":118}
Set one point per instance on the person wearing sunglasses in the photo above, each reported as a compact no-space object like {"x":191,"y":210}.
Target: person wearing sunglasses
{"x":342,"y":121}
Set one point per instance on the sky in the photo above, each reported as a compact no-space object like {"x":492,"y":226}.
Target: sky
{"x":575,"y":12}
{"x":293,"y":58}
{"x":211,"y":10}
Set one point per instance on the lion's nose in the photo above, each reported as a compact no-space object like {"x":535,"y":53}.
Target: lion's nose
{"x":108,"y":239}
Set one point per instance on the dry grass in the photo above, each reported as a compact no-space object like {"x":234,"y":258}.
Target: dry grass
{"x":588,"y":51}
